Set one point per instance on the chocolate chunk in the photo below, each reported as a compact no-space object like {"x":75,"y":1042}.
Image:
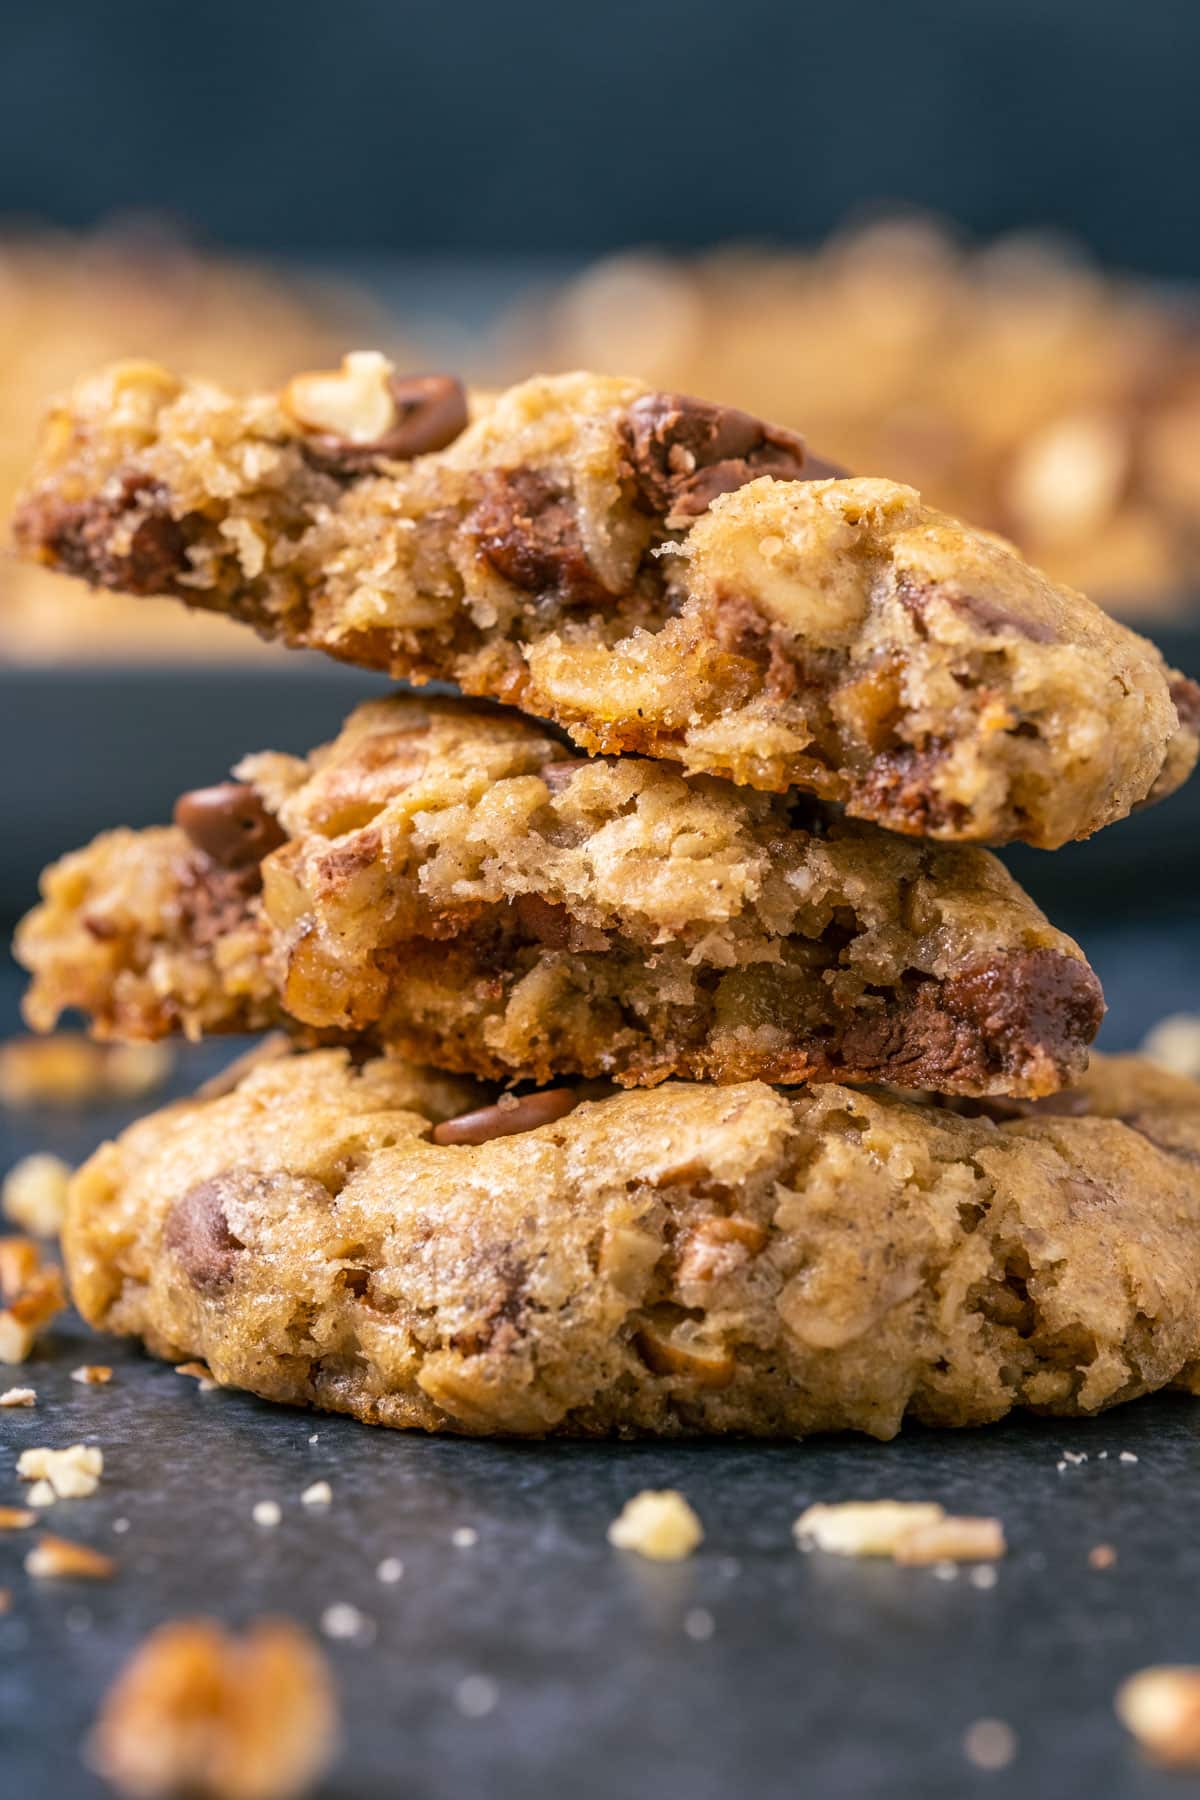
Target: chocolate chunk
{"x":213,"y":901}
{"x":124,"y":538}
{"x":507,"y":1118}
{"x":990,"y":618}
{"x":229,"y":823}
{"x":681,"y":453}
{"x":1186,"y":695}
{"x":972,"y":1028}
{"x":559,"y":775}
{"x":431,"y":411}
{"x":197,"y":1234}
{"x":900,"y":791}
{"x":548,"y":923}
{"x":525,"y":527}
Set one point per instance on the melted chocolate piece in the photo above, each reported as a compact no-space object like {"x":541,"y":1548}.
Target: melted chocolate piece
{"x":197,"y":1234}
{"x":681,"y":453}
{"x":230,"y":824}
{"x":507,"y":1118}
{"x":431,"y":411}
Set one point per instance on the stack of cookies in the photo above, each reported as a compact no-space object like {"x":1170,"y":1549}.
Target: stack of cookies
{"x":666,"y":1056}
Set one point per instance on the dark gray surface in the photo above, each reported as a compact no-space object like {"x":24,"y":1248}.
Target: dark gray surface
{"x":830,"y":1679}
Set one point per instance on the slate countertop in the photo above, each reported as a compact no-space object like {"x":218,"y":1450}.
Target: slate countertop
{"x":749,"y":1669}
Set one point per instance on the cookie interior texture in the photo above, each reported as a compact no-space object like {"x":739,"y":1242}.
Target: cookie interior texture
{"x":691,"y":1259}
{"x":447,"y":880}
{"x":654,"y":573}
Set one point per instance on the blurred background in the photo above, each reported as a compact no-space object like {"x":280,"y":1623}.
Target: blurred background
{"x":952,"y":243}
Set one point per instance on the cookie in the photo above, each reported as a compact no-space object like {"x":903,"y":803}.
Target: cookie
{"x":654,"y":573}
{"x":448,"y":881}
{"x":687,"y":1260}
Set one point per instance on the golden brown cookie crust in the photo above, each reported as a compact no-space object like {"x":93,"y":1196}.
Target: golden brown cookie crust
{"x":447,"y":880}
{"x":653,"y":573}
{"x":692,"y":1259}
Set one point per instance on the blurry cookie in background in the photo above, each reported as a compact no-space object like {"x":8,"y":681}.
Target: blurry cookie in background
{"x":137,"y":289}
{"x":1016,"y":386}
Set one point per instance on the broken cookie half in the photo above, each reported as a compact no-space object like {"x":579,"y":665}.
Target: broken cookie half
{"x":448,"y":881}
{"x":654,"y":573}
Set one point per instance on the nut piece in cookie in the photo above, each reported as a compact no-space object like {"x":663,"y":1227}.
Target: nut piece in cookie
{"x":201,"y":1711}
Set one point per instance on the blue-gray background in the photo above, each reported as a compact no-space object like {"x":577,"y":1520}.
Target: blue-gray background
{"x":325,"y":126}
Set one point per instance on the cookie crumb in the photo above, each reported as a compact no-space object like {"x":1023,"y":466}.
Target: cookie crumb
{"x":319,"y":1494}
{"x":1127,"y":1456}
{"x":1161,"y":1707}
{"x":983,"y":1576}
{"x":346,"y":1622}
{"x":200,"y":1373}
{"x":1074,"y":1456}
{"x":92,"y":1374}
{"x":1102,"y":1556}
{"x":54,"y":1557}
{"x":954,"y":1540}
{"x":657,"y":1523}
{"x":199,"y":1710}
{"x":34,"y":1194}
{"x":862,"y":1527}
{"x":120,"y":1526}
{"x":41,"y":1494}
{"x":390,"y":1570}
{"x":19,"y":1396}
{"x":989,"y":1744}
{"x":465,"y":1538}
{"x":476,"y":1696}
{"x":16,"y":1518}
{"x":699,"y":1624}
{"x":267,"y":1513}
{"x":72,"y":1474}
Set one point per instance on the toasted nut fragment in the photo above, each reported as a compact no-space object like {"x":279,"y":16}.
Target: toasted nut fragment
{"x":19,"y":1396}
{"x":199,"y":1711}
{"x":68,"y":1069}
{"x":353,"y":403}
{"x":41,"y":1494}
{"x":16,"y":1518}
{"x":33,"y":1291}
{"x":1161,"y":1707}
{"x":864,"y":1527}
{"x":658,"y":1524}
{"x":20,"y":1260}
{"x":718,"y":1246}
{"x":73,"y":1473}
{"x":34,"y":1195}
{"x":698,"y":1362}
{"x":54,"y":1557}
{"x":92,"y":1374}
{"x":952,"y":1540}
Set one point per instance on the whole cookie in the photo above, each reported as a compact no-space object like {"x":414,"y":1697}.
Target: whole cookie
{"x":693,"y":1259}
